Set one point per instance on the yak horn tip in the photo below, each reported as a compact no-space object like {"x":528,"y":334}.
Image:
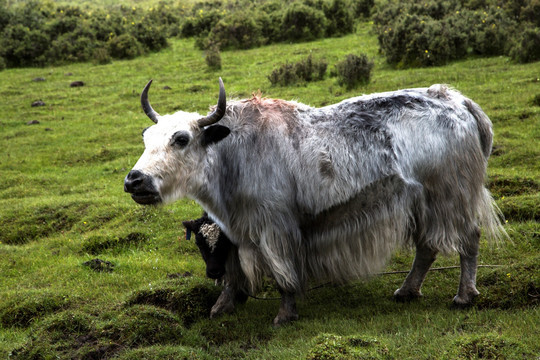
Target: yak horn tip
{"x":147,"y":108}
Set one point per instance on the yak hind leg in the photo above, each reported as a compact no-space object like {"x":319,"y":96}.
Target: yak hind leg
{"x":410,"y":289}
{"x":468,"y":262}
{"x":287,"y":309}
{"x":227,"y":300}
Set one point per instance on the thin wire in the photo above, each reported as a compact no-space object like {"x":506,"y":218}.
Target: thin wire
{"x":381,"y":273}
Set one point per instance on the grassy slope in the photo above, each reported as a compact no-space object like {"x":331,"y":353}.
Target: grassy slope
{"x":62,"y":203}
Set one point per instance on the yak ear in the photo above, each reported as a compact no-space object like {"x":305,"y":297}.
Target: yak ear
{"x":214,"y":134}
{"x":190,"y":225}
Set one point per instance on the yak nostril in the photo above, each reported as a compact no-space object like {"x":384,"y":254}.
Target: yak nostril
{"x":133,"y":180}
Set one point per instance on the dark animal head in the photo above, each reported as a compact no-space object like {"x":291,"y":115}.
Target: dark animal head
{"x":174,"y":149}
{"x":212,"y":242}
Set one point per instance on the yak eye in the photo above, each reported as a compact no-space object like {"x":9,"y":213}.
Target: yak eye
{"x":180,"y":138}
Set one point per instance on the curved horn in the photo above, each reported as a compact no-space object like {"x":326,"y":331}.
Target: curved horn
{"x":147,"y":108}
{"x":220,"y":109}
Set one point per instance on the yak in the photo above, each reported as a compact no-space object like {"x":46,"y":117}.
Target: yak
{"x":326,"y":194}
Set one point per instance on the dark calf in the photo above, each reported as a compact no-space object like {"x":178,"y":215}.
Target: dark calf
{"x":212,"y":242}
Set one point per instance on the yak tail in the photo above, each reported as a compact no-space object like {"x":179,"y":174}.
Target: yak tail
{"x":491,"y":218}
{"x":485,"y":128}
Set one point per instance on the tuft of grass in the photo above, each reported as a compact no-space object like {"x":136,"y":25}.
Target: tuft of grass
{"x":24,"y":225}
{"x":33,"y":306}
{"x":492,"y":347}
{"x":97,"y":244}
{"x":335,"y":347}
{"x":190,"y":297}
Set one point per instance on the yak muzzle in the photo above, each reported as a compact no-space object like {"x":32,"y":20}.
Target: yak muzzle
{"x":141,"y":187}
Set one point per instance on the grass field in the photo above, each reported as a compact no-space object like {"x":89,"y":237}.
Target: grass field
{"x":62,"y":204}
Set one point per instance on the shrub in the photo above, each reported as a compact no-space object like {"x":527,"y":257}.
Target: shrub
{"x":354,"y":70}
{"x":303,"y":71}
{"x":2,"y":63}
{"x":152,"y":36}
{"x":531,"y":12}
{"x":302,"y":22}
{"x":339,"y":17}
{"x":101,"y":56}
{"x":213,"y":58}
{"x":434,"y":33}
{"x":363,"y":8}
{"x":491,"y":30}
{"x":311,"y":70}
{"x":238,"y":30}
{"x":4,"y":15}
{"x":124,"y":46}
{"x":201,"y":22}
{"x":21,"y":46}
{"x":269,"y":19}
{"x":284,"y":75}
{"x":527,"y":46}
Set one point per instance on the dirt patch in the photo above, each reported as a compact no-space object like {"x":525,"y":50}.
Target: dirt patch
{"x":99,"y":265}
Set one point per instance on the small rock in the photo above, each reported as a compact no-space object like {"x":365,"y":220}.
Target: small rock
{"x":68,"y":74}
{"x":76,"y":84}
{"x":48,"y":129}
{"x":38,"y":79}
{"x":166,"y":87}
{"x":33,"y":122}
{"x":99,"y":265}
{"x":38,"y":103}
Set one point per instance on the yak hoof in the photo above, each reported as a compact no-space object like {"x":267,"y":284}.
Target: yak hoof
{"x":283,"y":319}
{"x":221,"y":307}
{"x":402,"y":295}
{"x":462,"y":301}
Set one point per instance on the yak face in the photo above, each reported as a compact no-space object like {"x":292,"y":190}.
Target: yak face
{"x":174,"y":149}
{"x":213,"y":244}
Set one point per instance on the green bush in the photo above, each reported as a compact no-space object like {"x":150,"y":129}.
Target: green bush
{"x":531,"y":12}
{"x":213,"y":58}
{"x":270,"y":17}
{"x":200,"y":22}
{"x":149,"y":34}
{"x":363,"y":8}
{"x":2,"y":63}
{"x":21,"y":46}
{"x":303,"y":71}
{"x":354,"y":70}
{"x":527,"y":46}
{"x":434,"y":33}
{"x":302,"y":23}
{"x":340,"y":20}
{"x":238,"y":31}
{"x":101,"y":56}
{"x":124,"y":46}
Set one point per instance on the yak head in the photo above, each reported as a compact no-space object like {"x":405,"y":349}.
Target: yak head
{"x":213,"y":244}
{"x":174,"y":151}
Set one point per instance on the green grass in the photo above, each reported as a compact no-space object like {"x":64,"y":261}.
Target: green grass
{"x":62,"y":204}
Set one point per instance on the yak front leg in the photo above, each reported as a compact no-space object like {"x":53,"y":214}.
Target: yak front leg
{"x":287,"y":309}
{"x":226,"y":301}
{"x":413,"y":282}
{"x":468,"y":260}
